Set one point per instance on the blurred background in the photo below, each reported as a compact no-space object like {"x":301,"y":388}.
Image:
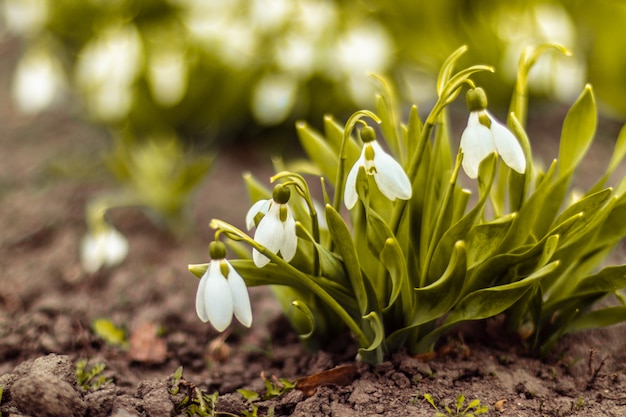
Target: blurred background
{"x":178,"y":74}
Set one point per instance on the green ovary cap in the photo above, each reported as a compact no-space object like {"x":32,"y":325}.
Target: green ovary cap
{"x":368,"y":134}
{"x":281,"y":194}
{"x":476,"y":99}
{"x":217,"y":250}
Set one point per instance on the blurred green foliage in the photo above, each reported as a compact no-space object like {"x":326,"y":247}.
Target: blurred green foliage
{"x":212,"y":68}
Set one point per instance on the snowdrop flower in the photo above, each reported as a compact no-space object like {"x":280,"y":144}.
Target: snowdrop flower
{"x":277,"y":229}
{"x":222,"y":292}
{"x":105,"y":247}
{"x":390,"y":178}
{"x":484,"y":135}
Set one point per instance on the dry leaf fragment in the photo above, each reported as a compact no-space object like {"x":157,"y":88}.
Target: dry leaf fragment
{"x":146,"y":346}
{"x":499,"y":405}
{"x":340,"y":375}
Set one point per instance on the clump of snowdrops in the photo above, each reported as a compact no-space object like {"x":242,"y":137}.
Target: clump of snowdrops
{"x":396,"y":251}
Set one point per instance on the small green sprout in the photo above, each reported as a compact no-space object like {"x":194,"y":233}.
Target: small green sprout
{"x":86,"y":376}
{"x":472,"y":409}
{"x":106,"y":330}
{"x":196,"y":402}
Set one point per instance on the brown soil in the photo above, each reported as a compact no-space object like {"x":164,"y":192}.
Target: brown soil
{"x":49,"y":170}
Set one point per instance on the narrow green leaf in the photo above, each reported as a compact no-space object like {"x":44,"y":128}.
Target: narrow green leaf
{"x":436,"y":299}
{"x":392,"y":258}
{"x":318,"y":150}
{"x":334,"y":136}
{"x":302,"y":319}
{"x":414,"y":130}
{"x":589,"y":204}
{"x":448,"y":66}
{"x":342,"y":239}
{"x":619,"y":152}
{"x":373,"y":353}
{"x":607,"y":316}
{"x":578,"y":130}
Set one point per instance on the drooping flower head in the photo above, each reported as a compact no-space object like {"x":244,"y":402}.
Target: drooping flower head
{"x":389,"y":176}
{"x":277,"y":229}
{"x":105,"y":246}
{"x":222,"y":292}
{"x":484,"y":135}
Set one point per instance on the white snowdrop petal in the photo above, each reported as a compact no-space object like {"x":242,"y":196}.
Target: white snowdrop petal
{"x":290,"y":240}
{"x":476,"y":144}
{"x":90,"y":254}
{"x":259,"y":259}
{"x":200,"y":308}
{"x":507,"y":146}
{"x":390,"y":178}
{"x":349,"y":195}
{"x":260,"y":206}
{"x":115,"y":247}
{"x":241,"y":299}
{"x":269,"y":232}
{"x":218,"y":300}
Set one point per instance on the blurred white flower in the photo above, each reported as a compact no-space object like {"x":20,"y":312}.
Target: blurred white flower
{"x":276,"y":230}
{"x":553,"y":73}
{"x":273,"y":98}
{"x":484,"y":135}
{"x":315,"y":17}
{"x":105,"y":247}
{"x":167,"y":76}
{"x":269,"y":15}
{"x":389,"y":176}
{"x":364,"y":49}
{"x":296,"y":54}
{"x":107,"y":68}
{"x":37,"y":81}
{"x":222,"y":292}
{"x":25,"y":17}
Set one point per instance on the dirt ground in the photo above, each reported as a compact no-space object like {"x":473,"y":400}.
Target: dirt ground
{"x":49,"y":169}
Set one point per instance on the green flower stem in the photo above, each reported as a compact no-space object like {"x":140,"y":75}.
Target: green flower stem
{"x":236,"y":234}
{"x":302,"y":189}
{"x":339,"y":183}
{"x":519,"y":101}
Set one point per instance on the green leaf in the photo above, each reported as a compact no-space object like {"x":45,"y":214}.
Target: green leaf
{"x":526,"y":219}
{"x":619,"y":152}
{"x":448,"y":67}
{"x":485,"y":303}
{"x":578,"y":130}
{"x":302,"y":319}
{"x":590,"y":204}
{"x":318,"y":151}
{"x":334,"y":136}
{"x":392,"y":258}
{"x":413,"y":130}
{"x":373,"y":353}
{"x":256,"y":190}
{"x":342,"y":239}
{"x":607,"y":316}
{"x":485,"y":238}
{"x":460,"y":229}
{"x":436,"y":299}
